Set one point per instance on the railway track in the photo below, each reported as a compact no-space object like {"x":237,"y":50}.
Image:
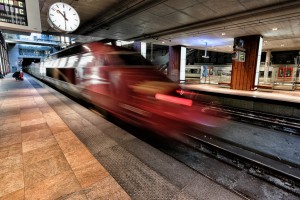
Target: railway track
{"x":273,"y":171}
{"x":280,"y":123}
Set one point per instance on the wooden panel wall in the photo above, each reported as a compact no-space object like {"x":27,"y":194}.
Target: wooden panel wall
{"x":243,"y":73}
{"x":174,"y":63}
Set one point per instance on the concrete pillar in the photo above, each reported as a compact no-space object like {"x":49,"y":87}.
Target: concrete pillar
{"x":13,"y":54}
{"x":177,"y":63}
{"x":267,"y":65}
{"x":140,"y":47}
{"x":245,"y":68}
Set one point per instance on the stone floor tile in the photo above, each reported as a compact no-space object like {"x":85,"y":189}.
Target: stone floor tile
{"x":38,"y":143}
{"x":17,"y":195}
{"x":46,"y":109}
{"x":33,"y":122}
{"x":76,"y":158}
{"x":7,"y":126}
{"x":89,"y":173}
{"x":40,"y":154}
{"x":43,"y":169}
{"x":28,"y":110}
{"x":53,"y":187}
{"x":7,"y":151}
{"x":12,"y":130}
{"x":12,"y":119}
{"x":71,"y":145}
{"x":107,"y":188}
{"x":30,"y":116}
{"x":34,"y":127}
{"x":75,"y":196}
{"x":36,"y":135}
{"x":57,"y":126}
{"x":65,"y":136}
{"x":10,"y":139}
{"x":11,"y":181}
{"x":11,"y":162}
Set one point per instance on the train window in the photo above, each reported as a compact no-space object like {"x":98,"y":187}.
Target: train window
{"x":125,"y":59}
{"x":86,"y":60}
{"x":72,"y":51}
{"x":62,"y":74}
{"x":288,"y":73}
{"x":99,"y":60}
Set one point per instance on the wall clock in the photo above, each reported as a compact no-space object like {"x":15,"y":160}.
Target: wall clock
{"x":63,"y":17}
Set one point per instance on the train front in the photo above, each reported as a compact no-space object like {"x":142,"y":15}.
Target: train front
{"x":147,"y":98}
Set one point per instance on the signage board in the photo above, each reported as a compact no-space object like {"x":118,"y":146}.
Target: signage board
{"x":20,"y":15}
{"x":239,"y":56}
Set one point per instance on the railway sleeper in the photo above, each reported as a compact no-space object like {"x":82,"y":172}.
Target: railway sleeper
{"x":281,"y":182}
{"x":264,"y":172}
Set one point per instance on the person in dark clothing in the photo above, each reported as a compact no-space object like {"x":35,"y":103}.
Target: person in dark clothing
{"x":16,"y":75}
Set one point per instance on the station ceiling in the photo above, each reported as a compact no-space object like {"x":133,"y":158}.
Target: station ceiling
{"x":192,"y":23}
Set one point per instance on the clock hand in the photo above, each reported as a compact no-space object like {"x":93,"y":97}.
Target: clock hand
{"x":65,"y":16}
{"x":58,"y":11}
{"x":65,"y":20}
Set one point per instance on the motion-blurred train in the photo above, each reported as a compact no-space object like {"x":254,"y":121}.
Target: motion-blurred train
{"x":125,"y":84}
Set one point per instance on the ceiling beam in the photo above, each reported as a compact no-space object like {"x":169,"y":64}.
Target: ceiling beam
{"x":216,"y":24}
{"x":116,"y":14}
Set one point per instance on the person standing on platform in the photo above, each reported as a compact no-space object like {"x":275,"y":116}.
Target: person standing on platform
{"x":205,"y":72}
{"x":21,"y":75}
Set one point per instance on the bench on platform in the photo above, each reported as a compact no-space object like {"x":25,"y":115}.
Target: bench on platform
{"x":269,"y":87}
{"x":286,"y":85}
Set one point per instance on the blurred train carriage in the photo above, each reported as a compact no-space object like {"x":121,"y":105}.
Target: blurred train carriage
{"x":125,"y":84}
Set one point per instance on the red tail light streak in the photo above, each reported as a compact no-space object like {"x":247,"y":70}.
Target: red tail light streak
{"x":177,"y":100}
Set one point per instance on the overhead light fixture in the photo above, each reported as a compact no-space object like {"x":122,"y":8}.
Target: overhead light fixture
{"x":223,"y":33}
{"x":205,"y":54}
{"x":282,"y":45}
{"x":275,"y":29}
{"x":163,"y":42}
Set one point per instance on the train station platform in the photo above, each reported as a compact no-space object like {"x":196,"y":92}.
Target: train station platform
{"x":53,"y":148}
{"x":267,"y":94}
{"x":40,"y":157}
{"x":279,"y":103}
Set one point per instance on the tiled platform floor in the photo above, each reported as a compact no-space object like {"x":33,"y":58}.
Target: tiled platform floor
{"x":40,"y":157}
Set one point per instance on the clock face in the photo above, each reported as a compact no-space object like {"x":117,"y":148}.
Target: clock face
{"x":63,"y":17}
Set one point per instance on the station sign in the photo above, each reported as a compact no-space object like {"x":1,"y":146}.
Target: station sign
{"x":13,"y":12}
{"x":20,"y":15}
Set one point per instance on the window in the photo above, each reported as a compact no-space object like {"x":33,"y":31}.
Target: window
{"x":126,"y":59}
